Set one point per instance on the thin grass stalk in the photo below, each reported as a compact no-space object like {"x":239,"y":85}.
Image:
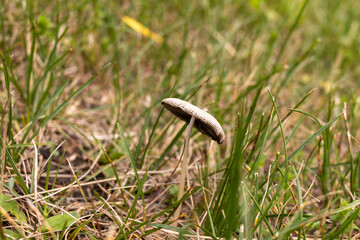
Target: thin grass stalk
{"x":57,"y":170}
{"x":121,"y":225}
{"x":284,"y":181}
{"x":317,"y":133}
{"x":300,"y":201}
{"x":297,"y":105}
{"x":2,"y":24}
{"x":274,"y":196}
{"x":34,"y":178}
{"x":15,"y":81}
{"x":132,"y":161}
{"x":59,"y":108}
{"x":4,"y":122}
{"x":142,"y":135}
{"x":229,"y":191}
{"x":264,"y":137}
{"x":327,"y":138}
{"x":50,"y":64}
{"x":169,"y":211}
{"x":345,"y":223}
{"x":205,"y":199}
{"x":350,"y":152}
{"x":30,"y":71}
{"x":3,"y":126}
{"x":162,"y":161}
{"x":132,"y":211}
{"x":40,"y":98}
{"x":255,"y":141}
{"x":114,"y":171}
{"x":11,"y":161}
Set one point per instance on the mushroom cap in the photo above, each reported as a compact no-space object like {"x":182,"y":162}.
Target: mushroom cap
{"x":204,"y":121}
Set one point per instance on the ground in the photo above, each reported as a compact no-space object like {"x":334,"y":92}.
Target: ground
{"x":88,"y":151}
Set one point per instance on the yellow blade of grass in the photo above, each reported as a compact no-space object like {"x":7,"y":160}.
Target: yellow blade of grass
{"x":138,"y":27}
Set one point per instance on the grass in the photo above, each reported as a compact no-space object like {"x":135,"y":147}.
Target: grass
{"x":87,"y":151}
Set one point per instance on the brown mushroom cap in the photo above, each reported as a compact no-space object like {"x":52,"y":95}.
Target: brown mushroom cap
{"x":204,"y":121}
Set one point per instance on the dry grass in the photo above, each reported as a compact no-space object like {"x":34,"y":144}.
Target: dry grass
{"x":219,"y":55}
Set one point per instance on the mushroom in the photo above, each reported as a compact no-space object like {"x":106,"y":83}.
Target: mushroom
{"x":202,"y":121}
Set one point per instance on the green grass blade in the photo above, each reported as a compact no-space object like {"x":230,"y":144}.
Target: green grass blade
{"x":132,"y":211}
{"x":11,"y":161}
{"x":56,"y":94}
{"x":343,"y":225}
{"x":143,"y":130}
{"x":64,"y":104}
{"x":128,"y":152}
{"x":35,"y":92}
{"x":317,"y":133}
{"x":29,"y":71}
{"x":161,"y":161}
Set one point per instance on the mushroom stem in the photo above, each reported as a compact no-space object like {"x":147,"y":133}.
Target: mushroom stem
{"x":184,"y":166}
